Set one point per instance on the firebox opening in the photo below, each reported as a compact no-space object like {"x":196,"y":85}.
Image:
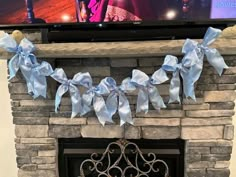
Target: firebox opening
{"x":74,"y":151}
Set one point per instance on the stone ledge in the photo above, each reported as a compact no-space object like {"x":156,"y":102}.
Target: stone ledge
{"x":67,"y":121}
{"x":219,"y":96}
{"x":31,"y":131}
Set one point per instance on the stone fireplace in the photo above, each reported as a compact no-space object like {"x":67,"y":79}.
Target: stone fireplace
{"x":205,"y":125}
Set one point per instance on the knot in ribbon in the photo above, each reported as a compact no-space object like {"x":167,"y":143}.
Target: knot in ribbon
{"x":93,"y":97}
{"x":148,"y":90}
{"x":117,"y":99}
{"x":80,"y":79}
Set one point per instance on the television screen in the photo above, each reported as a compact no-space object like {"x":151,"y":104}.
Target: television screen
{"x":88,"y":11}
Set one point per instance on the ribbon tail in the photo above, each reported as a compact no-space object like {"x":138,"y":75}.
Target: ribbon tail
{"x":216,"y":60}
{"x":75,"y":100}
{"x":112,"y":104}
{"x":155,"y":98}
{"x":60,"y":92}
{"x":175,"y":87}
{"x":124,"y":110}
{"x":100,"y":109}
{"x":13,"y":66}
{"x":142,"y":101}
{"x":39,"y":86}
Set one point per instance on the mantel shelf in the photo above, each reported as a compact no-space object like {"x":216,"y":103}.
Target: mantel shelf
{"x":120,"y":49}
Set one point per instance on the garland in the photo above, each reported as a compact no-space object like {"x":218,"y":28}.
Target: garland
{"x":189,"y":69}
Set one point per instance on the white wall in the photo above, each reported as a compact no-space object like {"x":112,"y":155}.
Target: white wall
{"x":7,"y":147}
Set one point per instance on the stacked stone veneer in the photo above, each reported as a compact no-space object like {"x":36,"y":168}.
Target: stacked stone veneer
{"x":206,"y":125}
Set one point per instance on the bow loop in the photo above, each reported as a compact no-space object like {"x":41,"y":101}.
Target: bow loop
{"x":8,"y":43}
{"x":170,"y":63}
{"x":211,"y":35}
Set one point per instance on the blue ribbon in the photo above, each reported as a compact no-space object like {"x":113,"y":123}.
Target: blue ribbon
{"x":193,"y":59}
{"x":147,"y":89}
{"x":71,"y":86}
{"x":118,"y":93}
{"x":33,"y":72}
{"x":93,"y":97}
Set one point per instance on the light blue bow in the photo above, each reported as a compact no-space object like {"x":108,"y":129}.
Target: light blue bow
{"x":147,"y":90}
{"x":38,"y":81}
{"x":118,"y":92}
{"x":194,"y":55}
{"x":71,"y":86}
{"x":23,"y":57}
{"x":93,"y":97}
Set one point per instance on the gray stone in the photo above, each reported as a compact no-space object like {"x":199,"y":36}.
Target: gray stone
{"x":67,"y":121}
{"x":21,"y":97}
{"x":147,"y":70}
{"x":201,"y":165}
{"x":222,"y":106}
{"x":22,"y":160}
{"x":206,"y":121}
{"x":226,"y":87}
{"x":47,"y":166}
{"x":15,"y":103}
{"x":43,"y":160}
{"x":225,"y":79}
{"x":193,"y":158}
{"x":170,"y":122}
{"x":193,"y":102}
{"x":203,"y":133}
{"x":30,"y":120}
{"x":217,"y":173}
{"x":50,"y":153}
{"x":219,"y":96}
{"x":196,"y":172}
{"x":221,"y":150}
{"x":35,"y":147}
{"x":229,"y":132}
{"x":98,"y":131}
{"x":30,"y":114}
{"x":31,"y":131}
{"x":210,"y":113}
{"x":215,"y":157}
{"x":60,"y":131}
{"x":33,"y":109}
{"x":207,"y":87}
{"x":196,"y":107}
{"x":38,"y":141}
{"x":132,"y":132}
{"x":29,"y":167}
{"x":37,"y":173}
{"x":160,"y":132}
{"x":222,"y":164}
{"x":204,"y":143}
{"x":198,"y":150}
{"x":15,"y":88}
{"x":151,"y":61}
{"x":26,"y":153}
{"x":99,"y":71}
{"x":121,"y":62}
{"x":162,"y":113}
{"x":37,"y":103}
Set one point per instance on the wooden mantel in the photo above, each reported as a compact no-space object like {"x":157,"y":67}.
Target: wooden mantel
{"x":120,"y":49}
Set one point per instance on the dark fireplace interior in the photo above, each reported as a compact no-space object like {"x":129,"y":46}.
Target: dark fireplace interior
{"x":73,"y":152}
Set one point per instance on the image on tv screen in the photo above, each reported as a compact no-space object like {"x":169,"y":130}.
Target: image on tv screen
{"x":74,"y":11}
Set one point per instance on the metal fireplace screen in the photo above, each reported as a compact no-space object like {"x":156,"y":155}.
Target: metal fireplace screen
{"x":121,"y":158}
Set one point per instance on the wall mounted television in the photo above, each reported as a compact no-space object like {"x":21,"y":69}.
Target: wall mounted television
{"x":95,"y":20}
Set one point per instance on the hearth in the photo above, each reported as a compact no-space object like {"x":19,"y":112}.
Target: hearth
{"x":88,"y":157}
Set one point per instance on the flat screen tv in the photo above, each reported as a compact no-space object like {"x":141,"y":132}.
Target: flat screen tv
{"x":121,"y":19}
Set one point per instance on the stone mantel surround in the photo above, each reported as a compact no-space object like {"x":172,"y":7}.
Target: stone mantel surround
{"x":206,"y":124}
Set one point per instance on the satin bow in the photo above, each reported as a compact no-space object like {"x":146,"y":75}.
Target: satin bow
{"x":38,"y":81}
{"x":93,"y":97}
{"x":118,"y":93}
{"x":71,"y":86}
{"x":147,"y":89}
{"x":23,"y":57}
{"x":194,"y":55}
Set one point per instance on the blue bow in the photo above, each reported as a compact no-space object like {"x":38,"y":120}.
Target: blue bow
{"x":147,"y":90}
{"x":93,"y":97}
{"x":194,"y":55}
{"x":122,"y":106}
{"x":71,"y":86}
{"x":23,"y":57}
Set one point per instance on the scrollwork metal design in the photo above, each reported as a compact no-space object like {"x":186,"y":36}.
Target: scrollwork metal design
{"x":116,"y":162}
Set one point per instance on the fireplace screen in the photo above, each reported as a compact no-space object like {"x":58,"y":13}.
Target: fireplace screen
{"x":120,"y":158}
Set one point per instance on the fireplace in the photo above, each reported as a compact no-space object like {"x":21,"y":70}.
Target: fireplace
{"x":77,"y":155}
{"x":203,"y":127}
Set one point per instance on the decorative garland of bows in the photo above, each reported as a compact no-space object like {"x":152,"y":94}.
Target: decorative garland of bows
{"x":189,"y":69}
